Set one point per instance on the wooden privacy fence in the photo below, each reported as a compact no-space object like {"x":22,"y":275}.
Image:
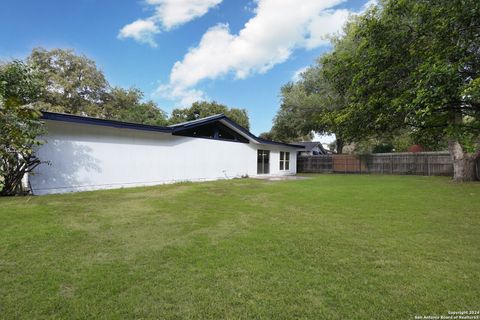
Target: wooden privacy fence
{"x":421,"y":163}
{"x":313,"y":164}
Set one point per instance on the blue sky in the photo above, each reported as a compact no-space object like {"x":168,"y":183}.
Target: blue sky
{"x":234,"y":52}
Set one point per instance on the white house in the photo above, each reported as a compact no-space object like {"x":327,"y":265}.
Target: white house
{"x":86,"y":153}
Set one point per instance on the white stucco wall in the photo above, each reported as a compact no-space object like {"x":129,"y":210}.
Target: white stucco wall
{"x":90,"y":157}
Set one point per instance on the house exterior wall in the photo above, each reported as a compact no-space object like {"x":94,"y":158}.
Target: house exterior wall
{"x":90,"y":157}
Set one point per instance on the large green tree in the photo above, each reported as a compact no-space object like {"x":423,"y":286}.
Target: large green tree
{"x":127,"y":105}
{"x":293,"y":121}
{"x":20,"y":87}
{"x":308,"y":105}
{"x":412,"y":64}
{"x":203,"y":109}
{"x":403,"y":66}
{"x":73,"y":83}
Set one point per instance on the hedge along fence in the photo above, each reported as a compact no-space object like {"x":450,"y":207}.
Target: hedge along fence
{"x":421,"y":163}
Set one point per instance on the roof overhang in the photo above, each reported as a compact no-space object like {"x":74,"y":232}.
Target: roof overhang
{"x":101,"y":122}
{"x":170,"y":129}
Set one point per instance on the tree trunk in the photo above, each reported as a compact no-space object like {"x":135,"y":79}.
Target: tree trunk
{"x":463,"y":163}
{"x":340,"y":144}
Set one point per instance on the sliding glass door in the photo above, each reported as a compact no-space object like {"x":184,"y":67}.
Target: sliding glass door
{"x":263,"y":161}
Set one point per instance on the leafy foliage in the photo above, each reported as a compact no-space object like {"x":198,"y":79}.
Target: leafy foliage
{"x":412,"y":63}
{"x":307,"y":106}
{"x":383,"y":148}
{"x":293,"y":121}
{"x":404,"y":65}
{"x":203,"y":109}
{"x":126,"y":105}
{"x":415,"y":64}
{"x":73,"y":84}
{"x":19,"y":124}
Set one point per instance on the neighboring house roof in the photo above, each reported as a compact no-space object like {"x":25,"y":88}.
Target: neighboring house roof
{"x":310,"y":145}
{"x":169,"y":129}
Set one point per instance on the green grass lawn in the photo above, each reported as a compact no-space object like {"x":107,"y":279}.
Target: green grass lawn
{"x":330,"y":247}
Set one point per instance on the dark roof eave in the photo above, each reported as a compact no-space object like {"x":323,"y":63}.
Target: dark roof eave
{"x":280,"y":143}
{"x":145,"y":127}
{"x":102,"y":122}
{"x":194,"y":123}
{"x":261,"y":140}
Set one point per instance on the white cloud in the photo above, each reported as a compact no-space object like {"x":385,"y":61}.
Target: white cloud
{"x":369,"y":4}
{"x":184,"y":96}
{"x":297,"y":73}
{"x":168,"y":14}
{"x":269,"y":38}
{"x":171,"y":13}
{"x":326,"y":24}
{"x":141,"y":30}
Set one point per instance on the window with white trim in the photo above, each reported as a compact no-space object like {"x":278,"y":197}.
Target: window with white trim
{"x":284,"y":160}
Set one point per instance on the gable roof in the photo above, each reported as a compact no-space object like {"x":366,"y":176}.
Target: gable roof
{"x":309,"y":145}
{"x":229,"y":122}
{"x":198,"y":121}
{"x":167,"y":129}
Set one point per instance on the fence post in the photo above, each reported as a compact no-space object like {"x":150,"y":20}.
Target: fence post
{"x":391,"y":164}
{"x":428,"y":165}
